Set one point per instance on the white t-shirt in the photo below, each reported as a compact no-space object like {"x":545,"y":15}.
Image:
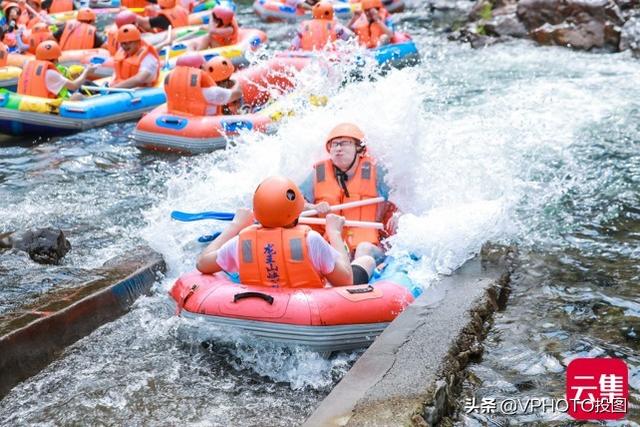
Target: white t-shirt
{"x":54,"y":81}
{"x":149,"y":63}
{"x":215,"y":96}
{"x":323,"y":255}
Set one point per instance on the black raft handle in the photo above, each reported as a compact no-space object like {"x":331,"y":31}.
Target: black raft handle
{"x":368,"y":289}
{"x":267,"y":298}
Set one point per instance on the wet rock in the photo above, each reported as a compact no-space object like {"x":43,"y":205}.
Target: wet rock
{"x":582,"y":24}
{"x":506,"y":25}
{"x":44,"y":245}
{"x":630,"y":36}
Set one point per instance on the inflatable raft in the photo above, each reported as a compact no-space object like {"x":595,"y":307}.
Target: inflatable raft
{"x":321,"y":319}
{"x":9,"y":76}
{"x":162,"y":130}
{"x":282,"y":10}
{"x":401,"y":52}
{"x":34,"y":116}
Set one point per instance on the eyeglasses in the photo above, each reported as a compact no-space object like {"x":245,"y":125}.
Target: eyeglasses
{"x":341,"y":143}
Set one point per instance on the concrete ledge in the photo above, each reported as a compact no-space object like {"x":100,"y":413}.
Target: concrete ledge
{"x":410,"y":373}
{"x":63,"y":318}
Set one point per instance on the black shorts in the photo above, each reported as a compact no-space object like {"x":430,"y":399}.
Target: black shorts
{"x":360,"y":275}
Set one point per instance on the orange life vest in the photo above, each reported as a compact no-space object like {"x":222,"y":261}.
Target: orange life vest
{"x":126,"y":67}
{"x":368,"y":34}
{"x":361,"y":186}
{"x":317,"y":33}
{"x":183,"y":87}
{"x":58,"y":6}
{"x":276,"y":257}
{"x":77,"y":35}
{"x":4,"y":55}
{"x":178,"y":16}
{"x":134,"y":4}
{"x":32,"y":80}
{"x":227,"y":40}
{"x":36,"y":38}
{"x":112,"y":40}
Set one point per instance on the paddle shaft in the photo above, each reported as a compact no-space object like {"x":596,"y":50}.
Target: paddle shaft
{"x":347,"y":205}
{"x":348,"y":223}
{"x":106,"y":89}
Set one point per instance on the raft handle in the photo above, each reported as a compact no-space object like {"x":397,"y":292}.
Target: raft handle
{"x":368,"y":289}
{"x":267,"y":298}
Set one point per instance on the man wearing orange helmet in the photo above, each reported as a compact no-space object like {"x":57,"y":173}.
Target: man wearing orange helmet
{"x":171,"y":14}
{"x":79,"y":33}
{"x":278,"y":252}
{"x":136,"y":64}
{"x":41,"y":77}
{"x":321,"y":31}
{"x":350,"y":174}
{"x":192,"y":90}
{"x":370,"y":24}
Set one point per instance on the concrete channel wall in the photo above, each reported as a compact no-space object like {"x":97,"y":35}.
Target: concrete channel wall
{"x":411,"y":373}
{"x":37,"y":335}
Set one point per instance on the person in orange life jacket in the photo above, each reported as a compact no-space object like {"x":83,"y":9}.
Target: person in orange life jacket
{"x":370,"y":26}
{"x":171,"y":14}
{"x":279,"y":252}
{"x":220,"y":69}
{"x":39,"y":33}
{"x":223,"y":30}
{"x":40,"y":77}
{"x":321,"y":30}
{"x":350,"y":174}
{"x":136,"y":64}
{"x":190,"y":89}
{"x":80,"y":33}
{"x":57,"y":6}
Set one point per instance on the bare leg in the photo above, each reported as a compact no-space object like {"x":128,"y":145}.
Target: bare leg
{"x":369,"y":249}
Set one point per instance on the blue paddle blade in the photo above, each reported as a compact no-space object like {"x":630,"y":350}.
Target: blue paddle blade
{"x":209,"y":237}
{"x":186,"y":217}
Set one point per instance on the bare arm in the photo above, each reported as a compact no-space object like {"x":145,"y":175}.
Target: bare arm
{"x":207,"y":261}
{"x":342,"y":275}
{"x":75,"y":84}
{"x":138,"y":80}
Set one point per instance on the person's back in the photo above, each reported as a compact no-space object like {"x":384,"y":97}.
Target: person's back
{"x":58,"y":6}
{"x":184,"y":87}
{"x":177,"y":15}
{"x":278,"y":252}
{"x":39,"y":33}
{"x":33,"y":80}
{"x":315,"y":34}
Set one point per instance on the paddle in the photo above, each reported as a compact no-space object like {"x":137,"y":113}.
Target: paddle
{"x":106,"y":89}
{"x":228,"y":216}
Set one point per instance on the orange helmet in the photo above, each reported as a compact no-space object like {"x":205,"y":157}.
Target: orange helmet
{"x":371,"y":4}
{"x":86,"y":15}
{"x":346,"y":129}
{"x":224,"y":14}
{"x":277,"y":202}
{"x":219,"y":68}
{"x":128,"y":33}
{"x":167,"y":4}
{"x":322,"y":10}
{"x":190,"y":60}
{"x":48,"y":51}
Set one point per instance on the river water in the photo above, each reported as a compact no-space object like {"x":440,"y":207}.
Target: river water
{"x":514,"y":143}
